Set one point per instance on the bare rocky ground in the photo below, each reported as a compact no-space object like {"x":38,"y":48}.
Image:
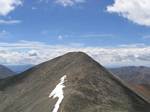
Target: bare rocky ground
{"x":89,"y":87}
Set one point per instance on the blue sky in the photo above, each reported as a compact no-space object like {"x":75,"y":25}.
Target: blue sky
{"x":75,"y":23}
{"x":89,"y":23}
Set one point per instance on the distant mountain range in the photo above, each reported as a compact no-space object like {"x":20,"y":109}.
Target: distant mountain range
{"x":19,"y":68}
{"x":137,"y":77}
{"x":73,"y":82}
{"x":5,"y":72}
{"x":132,"y":74}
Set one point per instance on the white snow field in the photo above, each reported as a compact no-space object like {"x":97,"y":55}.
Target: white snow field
{"x":58,"y":92}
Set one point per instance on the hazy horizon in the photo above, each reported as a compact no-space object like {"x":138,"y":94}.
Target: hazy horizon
{"x":113,"y":32}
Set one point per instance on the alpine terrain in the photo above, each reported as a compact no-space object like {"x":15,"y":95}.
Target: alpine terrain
{"x":137,"y":77}
{"x":5,"y":72}
{"x":133,"y":74}
{"x":73,"y":82}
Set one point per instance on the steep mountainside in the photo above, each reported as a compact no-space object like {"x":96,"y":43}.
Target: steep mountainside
{"x":73,"y":82}
{"x":5,"y":72}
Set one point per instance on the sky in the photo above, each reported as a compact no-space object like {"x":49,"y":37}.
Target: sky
{"x":113,"y":32}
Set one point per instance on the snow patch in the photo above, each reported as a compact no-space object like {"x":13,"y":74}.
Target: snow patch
{"x":58,"y":92}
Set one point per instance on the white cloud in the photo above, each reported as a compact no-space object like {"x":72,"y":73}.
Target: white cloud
{"x":34,"y":8}
{"x":26,"y":52}
{"x":8,"y":22}
{"x":88,"y":35}
{"x":146,"y":37}
{"x":66,"y":3}
{"x":6,"y":6}
{"x":95,"y":35}
{"x":133,"y":45}
{"x":137,"y":11}
{"x":3,"y":34}
{"x":74,"y":44}
{"x":60,"y":37}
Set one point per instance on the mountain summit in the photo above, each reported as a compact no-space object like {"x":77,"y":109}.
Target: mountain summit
{"x":73,"y":82}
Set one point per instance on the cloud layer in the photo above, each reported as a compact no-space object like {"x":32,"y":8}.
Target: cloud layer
{"x":8,"y":22}
{"x":25,"y":52}
{"x":137,"y":11}
{"x":66,"y":3}
{"x":6,"y":6}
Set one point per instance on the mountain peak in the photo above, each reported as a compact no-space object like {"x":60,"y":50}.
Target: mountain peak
{"x":77,"y":56}
{"x":87,"y":87}
{"x":79,"y":53}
